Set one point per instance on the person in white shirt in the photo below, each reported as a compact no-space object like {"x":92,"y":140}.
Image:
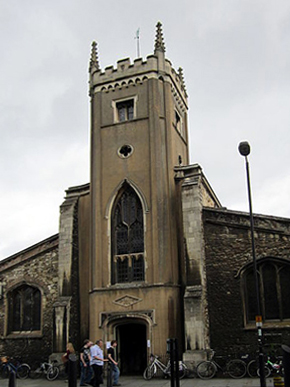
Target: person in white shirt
{"x":97,"y":363}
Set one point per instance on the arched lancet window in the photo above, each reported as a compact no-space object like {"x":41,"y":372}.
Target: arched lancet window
{"x":269,"y":288}
{"x":24,"y":309}
{"x":273,"y":277}
{"x":284,"y":276}
{"x":127,"y":237}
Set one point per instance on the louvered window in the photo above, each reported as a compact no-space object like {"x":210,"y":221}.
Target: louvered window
{"x":125,"y":110}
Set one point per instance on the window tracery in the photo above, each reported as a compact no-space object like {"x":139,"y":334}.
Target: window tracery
{"x":127,"y":238}
{"x":24,"y":309}
{"x":273,"y":277}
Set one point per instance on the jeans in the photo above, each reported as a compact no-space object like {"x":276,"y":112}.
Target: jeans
{"x":86,"y":374}
{"x":115,"y":373}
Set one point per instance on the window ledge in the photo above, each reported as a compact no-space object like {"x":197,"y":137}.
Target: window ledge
{"x":127,"y":285}
{"x":21,"y":335}
{"x":124,"y":121}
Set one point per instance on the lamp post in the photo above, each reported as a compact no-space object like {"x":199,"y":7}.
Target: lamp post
{"x":244,"y":149}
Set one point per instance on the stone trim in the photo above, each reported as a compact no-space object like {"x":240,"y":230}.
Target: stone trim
{"x":31,"y":252}
{"x":107,"y":318}
{"x":193,"y":291}
{"x":237,"y":219}
{"x":129,"y":286}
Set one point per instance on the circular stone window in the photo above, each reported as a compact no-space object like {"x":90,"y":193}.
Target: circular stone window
{"x":125,"y":151}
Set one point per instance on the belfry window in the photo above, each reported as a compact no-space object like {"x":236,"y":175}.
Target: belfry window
{"x":127,"y":238}
{"x":274,"y":277}
{"x":24,"y":309}
{"x":177,"y":122}
{"x":125,"y":110}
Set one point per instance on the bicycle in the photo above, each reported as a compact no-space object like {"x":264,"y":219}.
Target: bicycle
{"x":21,"y":369}
{"x":235,"y":368}
{"x":275,"y":367}
{"x":156,"y":364}
{"x":49,"y":369}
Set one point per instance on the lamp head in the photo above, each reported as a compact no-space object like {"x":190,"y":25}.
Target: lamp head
{"x":244,"y":148}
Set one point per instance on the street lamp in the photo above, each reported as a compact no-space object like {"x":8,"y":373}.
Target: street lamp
{"x":244,"y":149}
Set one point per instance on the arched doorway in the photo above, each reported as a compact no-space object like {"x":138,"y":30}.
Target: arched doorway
{"x":132,"y":348}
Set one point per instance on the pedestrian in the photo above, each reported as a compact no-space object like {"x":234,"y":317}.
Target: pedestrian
{"x":65,"y":357}
{"x":86,"y":369}
{"x":97,"y":363}
{"x":114,"y":363}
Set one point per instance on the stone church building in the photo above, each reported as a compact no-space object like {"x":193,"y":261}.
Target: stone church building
{"x":145,"y":251}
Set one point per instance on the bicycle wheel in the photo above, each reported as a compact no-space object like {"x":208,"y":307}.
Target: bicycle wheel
{"x":267,"y":371}
{"x":252,"y":368}
{"x":23,"y":371}
{"x":62,"y":374}
{"x":206,"y":370}
{"x":52,"y":372}
{"x":35,"y":374}
{"x":149,"y":372}
{"x":182,"y":370}
{"x":236,"y":369}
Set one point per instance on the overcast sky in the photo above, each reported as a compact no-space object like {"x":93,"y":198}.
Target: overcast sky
{"x":235,"y":55}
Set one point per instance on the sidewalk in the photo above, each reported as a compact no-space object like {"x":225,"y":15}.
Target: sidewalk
{"x":138,"y":381}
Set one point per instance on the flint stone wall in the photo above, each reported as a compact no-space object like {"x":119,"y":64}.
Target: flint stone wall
{"x":228,"y":248}
{"x":37,"y":266}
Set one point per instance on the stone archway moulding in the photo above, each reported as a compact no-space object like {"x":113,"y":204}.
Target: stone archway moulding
{"x":110,"y":321}
{"x":107,"y":319}
{"x":115,"y":192}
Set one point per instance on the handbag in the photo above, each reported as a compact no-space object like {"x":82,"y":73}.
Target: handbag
{"x":64,"y":358}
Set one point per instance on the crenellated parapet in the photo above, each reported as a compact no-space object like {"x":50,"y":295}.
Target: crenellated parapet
{"x":130,"y":74}
{"x":127,"y":74}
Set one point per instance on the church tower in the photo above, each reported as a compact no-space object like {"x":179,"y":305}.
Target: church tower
{"x":139,"y":134}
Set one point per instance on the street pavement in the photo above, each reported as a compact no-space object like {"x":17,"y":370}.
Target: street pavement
{"x":138,"y":381}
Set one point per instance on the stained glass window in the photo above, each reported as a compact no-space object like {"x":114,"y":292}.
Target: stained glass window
{"x":122,"y":269}
{"x":24,"y":305}
{"x":127,"y":238}
{"x":271,"y":305}
{"x":273,"y":277}
{"x":284,"y":276}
